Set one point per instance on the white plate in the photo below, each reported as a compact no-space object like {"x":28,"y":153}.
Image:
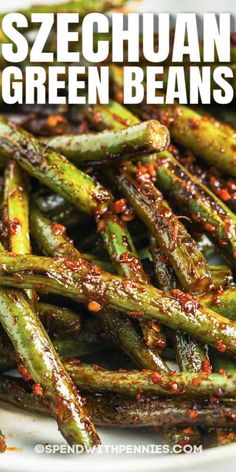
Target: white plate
{"x":25,"y":431}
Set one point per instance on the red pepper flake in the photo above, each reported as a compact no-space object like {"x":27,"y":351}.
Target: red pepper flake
{"x":142,"y":169}
{"x":188,"y":303}
{"x":119,"y":96}
{"x":37,"y":390}
{"x":125,"y":257}
{"x":206,"y":366}
{"x":24,"y":372}
{"x":58,"y":229}
{"x":234,"y":254}
{"x":101,"y":225}
{"x":194,"y":123}
{"x":173,"y":386}
{"x":196,"y":381}
{"x":119,"y":206}
{"x":54,"y":120}
{"x":97,"y":270}
{"x":142,"y":175}
{"x":160,"y":344}
{"x":220,"y":346}
{"x":222,"y":372}
{"x":69,"y":264}
{"x":156,"y":378}
{"x":228,"y":224}
{"x":193,"y":414}
{"x":94,"y":306}
{"x":147,"y":173}
{"x":165,"y":118}
{"x":224,"y":194}
{"x":209,"y":227}
{"x":151,"y":166}
{"x":14,"y":226}
{"x":127,"y":284}
{"x":222,"y":325}
{"x":188,"y":430}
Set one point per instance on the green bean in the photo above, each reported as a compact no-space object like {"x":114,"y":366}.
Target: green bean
{"x":54,"y":242}
{"x":16,"y":203}
{"x":112,"y":116}
{"x":223,"y":187}
{"x":88,"y":341}
{"x":200,"y":136}
{"x":202,"y":205}
{"x":221,"y":276}
{"x":117,"y":411}
{"x":191,"y":356}
{"x":58,"y":320}
{"x":16,"y":213}
{"x":115,"y":120}
{"x":27,"y":333}
{"x":197,"y":201}
{"x":130,"y":383}
{"x":84,"y":283}
{"x":222,"y":302}
{"x":36,"y":352}
{"x":52,"y":169}
{"x":162,"y":270}
{"x":105,"y":264}
{"x":195,"y":133}
{"x":222,"y":363}
{"x":191,"y":130}
{"x":111,"y":145}
{"x":118,"y":242}
{"x":172,"y":237}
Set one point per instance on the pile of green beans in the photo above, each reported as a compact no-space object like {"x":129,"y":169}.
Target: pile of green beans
{"x":103,"y":271}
